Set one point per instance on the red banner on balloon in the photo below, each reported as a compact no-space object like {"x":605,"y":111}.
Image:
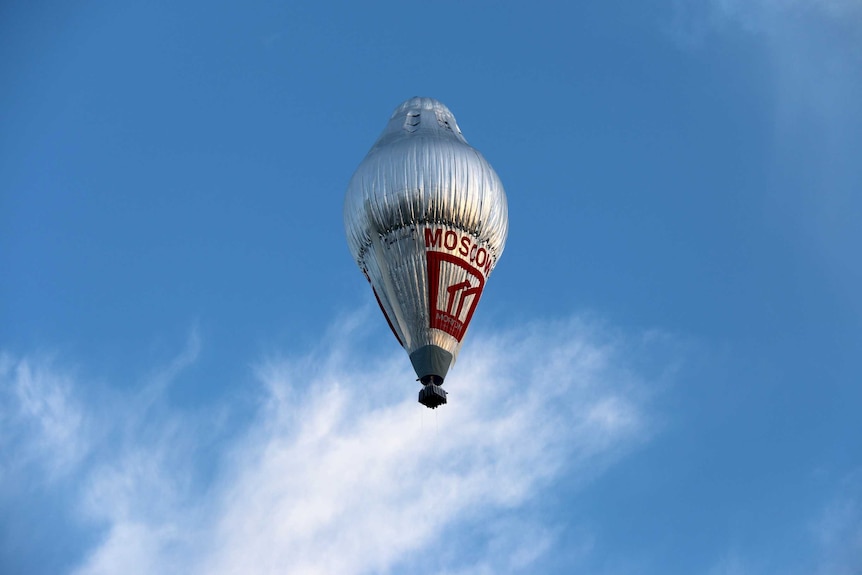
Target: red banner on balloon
{"x":454,"y":288}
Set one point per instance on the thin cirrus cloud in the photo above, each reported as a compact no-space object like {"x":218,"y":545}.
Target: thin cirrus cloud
{"x":43,"y":424}
{"x":808,"y":56}
{"x":692,"y":21}
{"x":838,"y":529}
{"x":338,"y":473}
{"x":834,"y":535}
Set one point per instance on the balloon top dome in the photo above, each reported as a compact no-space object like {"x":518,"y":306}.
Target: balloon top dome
{"x":422,"y":170}
{"x":420,"y":117}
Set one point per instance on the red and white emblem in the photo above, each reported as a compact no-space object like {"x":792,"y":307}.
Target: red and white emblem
{"x":454,"y":284}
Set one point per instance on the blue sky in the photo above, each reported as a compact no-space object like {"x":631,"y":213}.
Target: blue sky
{"x":662,"y":377}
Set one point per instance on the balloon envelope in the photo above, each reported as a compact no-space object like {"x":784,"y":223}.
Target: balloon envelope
{"x":426,"y":221}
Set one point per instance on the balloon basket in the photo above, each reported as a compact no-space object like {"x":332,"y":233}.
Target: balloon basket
{"x":432,"y":396}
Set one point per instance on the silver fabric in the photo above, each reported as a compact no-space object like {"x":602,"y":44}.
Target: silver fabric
{"x":424,"y":201}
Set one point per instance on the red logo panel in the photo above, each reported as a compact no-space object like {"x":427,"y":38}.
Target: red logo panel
{"x":454,"y":288}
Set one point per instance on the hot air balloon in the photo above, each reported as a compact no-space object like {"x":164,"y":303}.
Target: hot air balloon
{"x":426,"y":221}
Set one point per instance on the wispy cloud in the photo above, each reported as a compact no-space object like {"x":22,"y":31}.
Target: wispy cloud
{"x":838,"y":530}
{"x":44,"y":425}
{"x":830,"y":543}
{"x":693,"y":22}
{"x":731,"y":564}
{"x":342,"y":471}
{"x":808,"y":55}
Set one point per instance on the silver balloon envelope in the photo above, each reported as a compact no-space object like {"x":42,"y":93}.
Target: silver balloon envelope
{"x":426,"y":221}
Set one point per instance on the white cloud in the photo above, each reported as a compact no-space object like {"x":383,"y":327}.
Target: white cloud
{"x":44,"y":425}
{"x":347,"y":486}
{"x":161,"y":378}
{"x":342,"y":471}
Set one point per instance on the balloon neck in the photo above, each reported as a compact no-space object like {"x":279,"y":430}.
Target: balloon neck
{"x":431,"y":380}
{"x":431,"y":361}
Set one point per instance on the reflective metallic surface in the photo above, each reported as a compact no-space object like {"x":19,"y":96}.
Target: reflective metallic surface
{"x":426,"y":221}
